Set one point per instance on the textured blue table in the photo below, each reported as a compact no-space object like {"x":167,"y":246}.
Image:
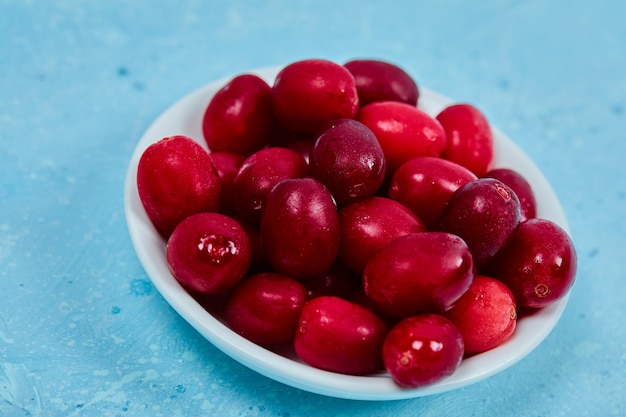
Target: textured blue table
{"x":82,"y":330}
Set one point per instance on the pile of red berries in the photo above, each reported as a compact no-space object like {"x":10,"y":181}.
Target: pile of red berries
{"x":334,"y":214}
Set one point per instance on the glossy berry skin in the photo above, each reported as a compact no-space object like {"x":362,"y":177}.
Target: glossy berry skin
{"x":208,"y":253}
{"x":483,"y":212}
{"x":175,"y":179}
{"x":469,"y":137}
{"x":486,"y":315}
{"x":300,"y":228}
{"x":538,"y":263}
{"x":421,"y":350}
{"x":425,"y":184}
{"x":239,"y":116}
{"x":403,"y":131}
{"x":418,"y":273}
{"x":521,"y":187}
{"x":311,"y":93}
{"x":340,"y":336}
{"x":369,"y":224}
{"x":382,"y":81}
{"x":265,"y":308}
{"x":258,"y":174}
{"x":348,"y":160}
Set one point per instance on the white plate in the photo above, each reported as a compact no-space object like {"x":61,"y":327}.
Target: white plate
{"x":184,"y":118}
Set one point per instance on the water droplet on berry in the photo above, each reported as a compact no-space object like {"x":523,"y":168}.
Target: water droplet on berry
{"x":417,"y":344}
{"x":435,"y":346}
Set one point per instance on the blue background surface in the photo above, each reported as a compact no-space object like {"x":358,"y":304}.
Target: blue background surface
{"x":82,"y":330}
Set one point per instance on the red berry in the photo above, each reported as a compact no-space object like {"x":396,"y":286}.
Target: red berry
{"x":340,"y":336}
{"x":418,"y":273}
{"x":422,"y":350}
{"x":208,"y":253}
{"x":538,"y":263}
{"x":486,"y":315}
{"x":300,"y":228}
{"x":265,"y":308}
{"x":483,"y":212}
{"x":369,"y":224}
{"x":425,"y":184}
{"x":348,"y":159}
{"x":469,"y":137}
{"x":404,"y":131}
{"x":309,"y":94}
{"x":175,"y":179}
{"x":382,"y":81}
{"x":239,"y":117}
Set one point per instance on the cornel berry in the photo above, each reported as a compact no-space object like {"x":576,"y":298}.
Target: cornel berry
{"x":348,"y":159}
{"x":300,"y":228}
{"x":418,"y":273}
{"x":422,"y":349}
{"x":265,"y":308}
{"x":382,"y":81}
{"x":338,"y":335}
{"x":404,"y":131}
{"x":425,"y":184}
{"x":538,"y":263}
{"x":239,"y":117}
{"x":485,"y":314}
{"x":309,"y":94}
{"x":175,"y":179}
{"x":483,"y":212}
{"x":470,"y":140}
{"x":336,"y":216}
{"x":208,"y":253}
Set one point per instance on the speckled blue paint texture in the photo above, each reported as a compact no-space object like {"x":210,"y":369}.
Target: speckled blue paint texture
{"x":82,"y":330}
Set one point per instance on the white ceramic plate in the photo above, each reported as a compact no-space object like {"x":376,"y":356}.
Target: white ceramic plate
{"x":184,"y":118}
